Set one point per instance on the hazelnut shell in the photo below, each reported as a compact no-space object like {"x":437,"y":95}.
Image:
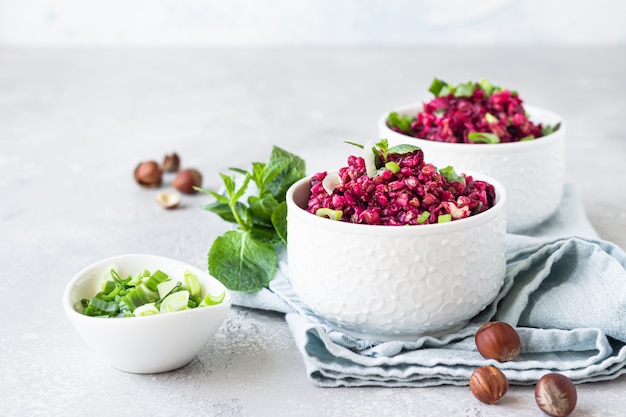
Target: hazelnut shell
{"x":556,"y":395}
{"x":171,"y":163}
{"x":498,"y":340}
{"x":186,"y":180}
{"x":168,"y":199}
{"x":148,"y":174}
{"x":488,"y":384}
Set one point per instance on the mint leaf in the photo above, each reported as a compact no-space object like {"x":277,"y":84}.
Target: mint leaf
{"x":402,"y":149}
{"x":222,"y":210}
{"x":295,"y":169}
{"x":245,"y":259}
{"x":262,"y":208}
{"x":279,"y":220}
{"x":240,"y":262}
{"x":266,"y":236}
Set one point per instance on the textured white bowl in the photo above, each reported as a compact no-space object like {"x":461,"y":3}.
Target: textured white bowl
{"x":395,"y":282}
{"x":150,"y":344}
{"x":533,"y":172}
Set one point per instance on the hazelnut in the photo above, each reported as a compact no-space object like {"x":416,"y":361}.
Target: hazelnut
{"x":498,"y":340}
{"x":488,"y":384}
{"x":168,"y":199}
{"x":556,"y":395}
{"x":148,"y":174}
{"x":186,"y":180}
{"x":171,"y":163}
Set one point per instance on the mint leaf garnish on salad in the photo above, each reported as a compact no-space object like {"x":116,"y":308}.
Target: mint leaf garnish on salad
{"x":245,"y":259}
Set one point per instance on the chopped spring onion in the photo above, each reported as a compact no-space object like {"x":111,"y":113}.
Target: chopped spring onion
{"x":483,"y":137}
{"x":423,"y":217}
{"x":146,"y":294}
{"x":211,"y":299}
{"x":490,"y":118}
{"x":393,"y":167}
{"x":330,"y":213}
{"x":146,"y":310}
{"x":444,"y":218}
{"x":192,"y":283}
{"x":156,"y":278}
{"x":175,"y":302}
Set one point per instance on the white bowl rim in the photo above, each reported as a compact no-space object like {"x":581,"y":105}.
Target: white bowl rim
{"x":411,"y":230}
{"x":71,"y":310}
{"x":411,"y":108}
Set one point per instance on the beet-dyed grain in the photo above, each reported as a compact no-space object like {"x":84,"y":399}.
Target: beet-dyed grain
{"x":451,"y":119}
{"x":396,"y":199}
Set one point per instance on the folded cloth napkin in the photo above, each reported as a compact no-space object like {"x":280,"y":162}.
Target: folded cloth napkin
{"x":564,"y":291}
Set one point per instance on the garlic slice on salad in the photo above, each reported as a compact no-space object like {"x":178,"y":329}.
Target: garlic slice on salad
{"x":370,"y":158}
{"x":331,"y":181}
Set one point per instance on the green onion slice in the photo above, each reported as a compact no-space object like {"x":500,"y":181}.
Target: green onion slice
{"x":444,"y":218}
{"x":330,"y":213}
{"x":483,"y":137}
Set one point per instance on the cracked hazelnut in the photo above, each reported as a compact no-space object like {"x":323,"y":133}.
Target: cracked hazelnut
{"x":498,"y":340}
{"x":488,"y":384}
{"x":168,"y":199}
{"x":171,"y":163}
{"x":148,"y":174}
{"x":556,"y":395}
{"x":186,"y":180}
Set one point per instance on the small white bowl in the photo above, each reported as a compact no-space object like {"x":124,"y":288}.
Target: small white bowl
{"x":150,"y":344}
{"x":395,"y":282}
{"x":533,"y":172}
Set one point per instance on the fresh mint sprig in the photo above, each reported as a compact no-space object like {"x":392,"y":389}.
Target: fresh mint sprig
{"x":245,"y":259}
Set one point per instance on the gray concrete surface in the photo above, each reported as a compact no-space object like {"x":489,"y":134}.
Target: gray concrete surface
{"x":74,"y":123}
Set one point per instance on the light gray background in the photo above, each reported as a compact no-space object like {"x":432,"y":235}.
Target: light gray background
{"x":311,"y":22}
{"x":74,"y":122}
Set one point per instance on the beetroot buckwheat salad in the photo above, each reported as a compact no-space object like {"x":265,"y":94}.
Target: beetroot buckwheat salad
{"x":395,"y":187}
{"x":473,"y":112}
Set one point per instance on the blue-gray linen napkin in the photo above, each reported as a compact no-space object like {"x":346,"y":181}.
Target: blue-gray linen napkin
{"x":564,"y":291}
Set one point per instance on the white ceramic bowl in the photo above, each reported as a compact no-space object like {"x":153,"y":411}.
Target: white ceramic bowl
{"x":150,"y":344}
{"x":395,"y":282}
{"x":533,"y":172}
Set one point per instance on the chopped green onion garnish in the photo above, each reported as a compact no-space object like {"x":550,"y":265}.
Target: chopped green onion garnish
{"x":483,"y":137}
{"x":393,"y":167}
{"x":132,"y":297}
{"x":490,"y":118}
{"x":423,"y":217}
{"x":175,"y":302}
{"x":154,"y":280}
{"x":525,"y":138}
{"x":486,"y":86}
{"x":464,"y":90}
{"x":444,"y":218}
{"x":436,"y":86}
{"x":401,"y":122}
{"x":451,"y":174}
{"x":192,"y":284}
{"x":146,"y":310}
{"x":210,"y":299}
{"x":546,"y":130}
{"x":135,"y":298}
{"x":166,"y":287}
{"x":105,"y":306}
{"x":330,"y":213}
